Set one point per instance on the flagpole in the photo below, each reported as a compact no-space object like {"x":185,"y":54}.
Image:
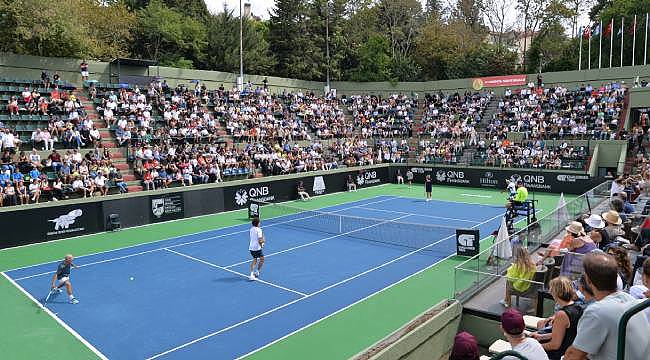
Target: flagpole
{"x":580,"y":50}
{"x":645,"y":47}
{"x":622,"y":36}
{"x":600,"y":43}
{"x":611,"y":41}
{"x":633,"y":39}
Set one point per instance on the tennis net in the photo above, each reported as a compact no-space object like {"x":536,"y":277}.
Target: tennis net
{"x":387,"y":231}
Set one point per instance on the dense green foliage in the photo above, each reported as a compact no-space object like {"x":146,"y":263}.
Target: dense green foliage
{"x":369,"y":40}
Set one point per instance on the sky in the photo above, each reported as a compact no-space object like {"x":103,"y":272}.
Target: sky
{"x":261,"y":7}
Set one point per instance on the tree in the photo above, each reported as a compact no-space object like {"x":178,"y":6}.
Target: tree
{"x":291,"y":42}
{"x":169,"y":36}
{"x":497,"y":13}
{"x":470,"y":11}
{"x":374,"y":60}
{"x":222,"y":52}
{"x":548,"y":46}
{"x":402,"y":20}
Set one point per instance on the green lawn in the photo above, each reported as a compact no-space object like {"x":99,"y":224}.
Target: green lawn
{"x":26,"y":332}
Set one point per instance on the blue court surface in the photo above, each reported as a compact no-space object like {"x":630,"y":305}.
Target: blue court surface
{"x":190,"y":298}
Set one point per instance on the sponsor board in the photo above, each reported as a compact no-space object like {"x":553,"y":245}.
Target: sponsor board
{"x":319,"y":185}
{"x":64,"y":224}
{"x":240,"y":197}
{"x":167,"y":207}
{"x":367,"y":178}
{"x":496,"y":179}
{"x":497,"y":81}
{"x":452,"y":177}
{"x":467,"y":242}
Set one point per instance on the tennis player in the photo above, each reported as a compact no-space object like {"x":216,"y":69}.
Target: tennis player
{"x":62,"y":278}
{"x":400,"y":178}
{"x":409,"y":177}
{"x":255,"y":247}
{"x":428,"y":184}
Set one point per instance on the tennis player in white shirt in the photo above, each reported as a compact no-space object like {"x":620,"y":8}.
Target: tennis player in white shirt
{"x":256,"y":245}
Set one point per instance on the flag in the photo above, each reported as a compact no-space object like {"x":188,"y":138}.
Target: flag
{"x":596,"y":31}
{"x":633,"y":28}
{"x":503,"y":248}
{"x":561,"y":211}
{"x":608,"y":29}
{"x":620,"y":32}
{"x":587,"y":32}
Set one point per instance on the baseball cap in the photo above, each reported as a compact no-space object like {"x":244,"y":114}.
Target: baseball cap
{"x":465,"y":347}
{"x":512,"y":322}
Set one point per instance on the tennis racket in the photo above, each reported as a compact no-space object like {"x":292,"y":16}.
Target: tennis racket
{"x":48,"y":297}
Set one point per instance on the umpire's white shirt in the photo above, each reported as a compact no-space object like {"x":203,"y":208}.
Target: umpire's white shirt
{"x":255,"y":234}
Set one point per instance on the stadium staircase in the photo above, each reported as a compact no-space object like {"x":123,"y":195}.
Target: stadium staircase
{"x":488,"y":114}
{"x":108,"y":140}
{"x":414,"y":141}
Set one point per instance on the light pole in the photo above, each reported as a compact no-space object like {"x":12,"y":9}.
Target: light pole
{"x":327,"y":41}
{"x":240,"y":80}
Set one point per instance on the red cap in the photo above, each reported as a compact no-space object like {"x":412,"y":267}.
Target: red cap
{"x":465,"y":347}
{"x":512,"y":322}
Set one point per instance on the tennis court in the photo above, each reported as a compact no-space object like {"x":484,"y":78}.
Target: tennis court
{"x":190,"y":298}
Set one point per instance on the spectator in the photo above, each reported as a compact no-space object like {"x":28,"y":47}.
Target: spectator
{"x":57,"y":190}
{"x":597,"y":334}
{"x":465,"y":347}
{"x":612,"y":224}
{"x":598,"y":234}
{"x":352,"y":186}
{"x":302,"y":193}
{"x":623,"y":262}
{"x":557,"y":332}
{"x":119,"y":182}
{"x":512,"y":325}
{"x":643,"y":291}
{"x":35,"y":190}
{"x":10,"y":198}
{"x":84,"y":70}
{"x":100,"y":184}
{"x":23,"y":193}
{"x":519,"y":274}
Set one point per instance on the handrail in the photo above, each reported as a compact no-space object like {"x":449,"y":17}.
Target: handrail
{"x":503,"y":354}
{"x":622,"y":325}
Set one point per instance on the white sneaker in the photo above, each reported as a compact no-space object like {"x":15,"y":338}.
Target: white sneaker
{"x":257,"y":273}
{"x":74,"y":301}
{"x":252,"y":277}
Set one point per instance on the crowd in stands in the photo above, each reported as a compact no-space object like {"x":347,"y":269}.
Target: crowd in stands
{"x":391,"y":117}
{"x":557,"y":112}
{"x":603,"y":271}
{"x":454,"y":116}
{"x":534,"y":153}
{"x":26,"y":178}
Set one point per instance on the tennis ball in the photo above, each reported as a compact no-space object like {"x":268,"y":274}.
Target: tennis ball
{"x":131,"y":278}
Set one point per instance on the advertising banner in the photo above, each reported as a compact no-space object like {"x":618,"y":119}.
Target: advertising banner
{"x":166,"y":207}
{"x":467,"y":242}
{"x":238,"y":197}
{"x":496,"y":178}
{"x":497,"y":81}
{"x":49,"y":223}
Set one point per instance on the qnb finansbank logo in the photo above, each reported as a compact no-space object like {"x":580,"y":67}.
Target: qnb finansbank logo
{"x":368,"y":178}
{"x":62,"y":223}
{"x":260,"y":194}
{"x":451,"y":177}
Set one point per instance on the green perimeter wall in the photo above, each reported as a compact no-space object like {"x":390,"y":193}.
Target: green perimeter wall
{"x":23,"y":66}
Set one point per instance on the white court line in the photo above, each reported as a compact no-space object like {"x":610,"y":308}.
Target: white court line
{"x":181,"y":244}
{"x":387,"y":221}
{"x":419,"y":215}
{"x":234,"y":272}
{"x":312,"y":294}
{"x":360,"y":300}
{"x":58,"y":320}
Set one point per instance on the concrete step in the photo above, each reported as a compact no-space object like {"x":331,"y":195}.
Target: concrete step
{"x":121,"y":165}
{"x":128,"y":178}
{"x":135,"y":188}
{"x":109,"y":144}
